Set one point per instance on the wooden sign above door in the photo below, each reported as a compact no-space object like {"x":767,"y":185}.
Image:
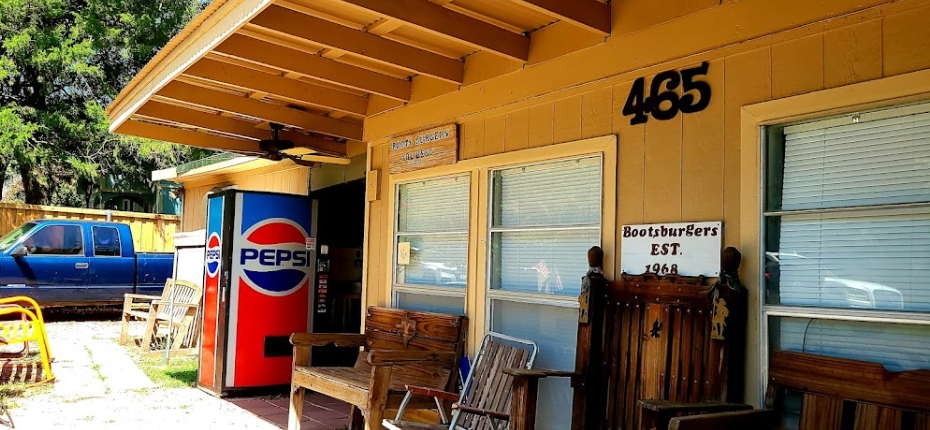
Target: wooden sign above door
{"x":429,"y":148}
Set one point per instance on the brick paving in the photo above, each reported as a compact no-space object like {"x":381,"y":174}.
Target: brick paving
{"x":320,"y":412}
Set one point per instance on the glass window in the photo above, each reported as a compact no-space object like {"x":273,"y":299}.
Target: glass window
{"x":431,"y":243}
{"x":106,"y":242}
{"x":56,"y":240}
{"x":847,"y":236}
{"x":544,"y":218}
{"x":10,"y":238}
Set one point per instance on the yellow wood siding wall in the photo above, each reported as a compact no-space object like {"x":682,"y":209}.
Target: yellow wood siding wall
{"x":150,"y":232}
{"x":687,"y":168}
{"x":295,"y":180}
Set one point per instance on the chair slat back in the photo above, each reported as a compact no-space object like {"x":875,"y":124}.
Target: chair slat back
{"x":401,"y":329}
{"x":487,"y":386}
{"x":655,"y":339}
{"x":181,"y":292}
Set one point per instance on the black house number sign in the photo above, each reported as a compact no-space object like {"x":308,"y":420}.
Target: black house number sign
{"x":663,"y":102}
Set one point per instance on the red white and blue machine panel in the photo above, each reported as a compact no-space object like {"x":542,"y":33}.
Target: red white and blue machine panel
{"x":258,"y":288}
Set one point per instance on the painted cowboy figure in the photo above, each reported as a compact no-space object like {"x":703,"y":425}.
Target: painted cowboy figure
{"x":729,"y":278}
{"x":595,"y":276}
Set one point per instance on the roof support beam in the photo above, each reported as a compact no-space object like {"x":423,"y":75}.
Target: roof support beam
{"x":450,"y":24}
{"x":315,"y":66}
{"x":282,"y":20}
{"x":195,"y":118}
{"x":218,"y":100}
{"x":590,"y":14}
{"x":190,"y":138}
{"x":281,"y":87}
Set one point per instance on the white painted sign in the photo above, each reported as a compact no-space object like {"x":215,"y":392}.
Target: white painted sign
{"x":686,"y":249}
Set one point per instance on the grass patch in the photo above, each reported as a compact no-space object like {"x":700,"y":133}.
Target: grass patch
{"x":181,"y":372}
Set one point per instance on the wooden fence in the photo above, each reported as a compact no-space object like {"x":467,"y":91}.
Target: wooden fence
{"x":150,"y":232}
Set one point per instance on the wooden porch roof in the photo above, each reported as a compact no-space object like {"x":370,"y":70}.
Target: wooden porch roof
{"x":320,"y":67}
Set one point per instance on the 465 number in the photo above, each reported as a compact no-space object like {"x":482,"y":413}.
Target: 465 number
{"x":663,"y":102}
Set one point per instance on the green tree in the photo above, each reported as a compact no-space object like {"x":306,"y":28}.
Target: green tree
{"x":61,"y":62}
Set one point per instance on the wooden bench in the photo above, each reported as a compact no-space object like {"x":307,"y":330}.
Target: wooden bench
{"x":400,"y":348}
{"x":644,"y":337}
{"x":833,"y":394}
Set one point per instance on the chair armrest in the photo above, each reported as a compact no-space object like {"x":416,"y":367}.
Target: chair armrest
{"x":134,"y":297}
{"x":675,"y":408}
{"x":384,"y":357}
{"x":479,"y":411}
{"x":758,"y":419}
{"x":185,"y":305}
{"x":323,"y":339}
{"x":541,"y":373}
{"x":430,"y":392}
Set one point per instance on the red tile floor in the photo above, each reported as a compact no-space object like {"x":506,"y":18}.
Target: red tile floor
{"x":320,"y":412}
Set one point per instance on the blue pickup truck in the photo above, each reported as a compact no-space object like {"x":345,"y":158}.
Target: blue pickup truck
{"x":65,"y":263}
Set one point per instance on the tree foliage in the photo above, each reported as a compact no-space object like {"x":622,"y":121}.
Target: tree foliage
{"x":61,"y":62}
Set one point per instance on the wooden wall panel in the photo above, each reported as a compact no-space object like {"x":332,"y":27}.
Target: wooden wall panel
{"x":494,"y":135}
{"x":748,"y":80}
{"x":541,"y":125}
{"x":852,"y":54}
{"x":797,"y":66}
{"x":567,"y":122}
{"x":906,"y":41}
{"x":702,"y":153}
{"x":662,"y":192}
{"x":378,"y":239}
{"x":472,"y":140}
{"x":516,"y":130}
{"x":630,"y":165}
{"x":596,"y":113}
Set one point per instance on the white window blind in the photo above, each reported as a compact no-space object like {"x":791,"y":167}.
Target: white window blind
{"x":545,"y":218}
{"x":874,"y":162}
{"x":849,"y":228}
{"x":432,"y":220}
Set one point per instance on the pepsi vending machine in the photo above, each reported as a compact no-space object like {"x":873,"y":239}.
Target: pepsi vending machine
{"x":258,"y":288}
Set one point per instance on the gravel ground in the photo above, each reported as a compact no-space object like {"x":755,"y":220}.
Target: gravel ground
{"x":98,"y":386}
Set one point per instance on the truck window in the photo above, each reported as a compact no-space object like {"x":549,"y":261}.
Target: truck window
{"x":56,"y":240}
{"x":106,"y":242}
{"x":13,"y":236}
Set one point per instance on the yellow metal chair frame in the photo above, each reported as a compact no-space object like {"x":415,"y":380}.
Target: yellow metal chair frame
{"x":30,"y":326}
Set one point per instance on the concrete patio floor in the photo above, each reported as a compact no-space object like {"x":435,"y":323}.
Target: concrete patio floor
{"x":99,"y":386}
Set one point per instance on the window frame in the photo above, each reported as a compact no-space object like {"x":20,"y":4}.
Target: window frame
{"x":42,"y":226}
{"x":398,"y":288}
{"x":93,"y":242}
{"x":768,"y":311}
{"x":476,"y":294}
{"x":516,"y":296}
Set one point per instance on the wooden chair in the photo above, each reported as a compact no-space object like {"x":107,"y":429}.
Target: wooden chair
{"x":486,"y":399}
{"x":400,"y":348}
{"x":834,"y":393}
{"x":175,"y":313}
{"x":646,"y":337}
{"x":137,"y":306}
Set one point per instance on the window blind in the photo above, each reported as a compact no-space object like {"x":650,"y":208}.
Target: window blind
{"x":558,"y":193}
{"x":547,"y":262}
{"x":435,"y":260}
{"x":883,"y":161}
{"x":434,"y":205}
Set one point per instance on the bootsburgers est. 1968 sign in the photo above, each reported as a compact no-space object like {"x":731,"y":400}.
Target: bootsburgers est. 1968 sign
{"x":428,"y":148}
{"x":687,"y":249}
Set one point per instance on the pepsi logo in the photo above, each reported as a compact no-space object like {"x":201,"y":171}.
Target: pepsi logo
{"x":274,"y":257}
{"x":213,"y":255}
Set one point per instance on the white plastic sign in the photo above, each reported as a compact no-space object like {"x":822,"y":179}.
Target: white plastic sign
{"x":686,"y":249}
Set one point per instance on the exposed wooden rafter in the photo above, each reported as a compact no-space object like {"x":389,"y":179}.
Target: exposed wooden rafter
{"x":269,"y":54}
{"x":218,"y":100}
{"x":447,"y":23}
{"x":168,"y":112}
{"x":279,"y":86}
{"x":370,"y":46}
{"x":186,"y":137}
{"x":590,"y":14}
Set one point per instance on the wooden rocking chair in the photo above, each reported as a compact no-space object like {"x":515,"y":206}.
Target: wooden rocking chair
{"x":176,"y":310}
{"x":486,"y":399}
